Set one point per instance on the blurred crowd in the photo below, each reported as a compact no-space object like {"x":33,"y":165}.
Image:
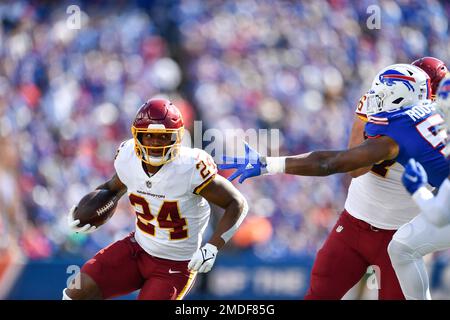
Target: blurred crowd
{"x":68,"y":97}
{"x":67,"y":100}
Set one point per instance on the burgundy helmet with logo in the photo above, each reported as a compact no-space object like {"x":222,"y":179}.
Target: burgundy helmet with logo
{"x":158,"y":116}
{"x":436,"y":70}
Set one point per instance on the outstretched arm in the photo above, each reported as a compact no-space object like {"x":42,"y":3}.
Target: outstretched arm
{"x":316,"y":163}
{"x":324,"y":163}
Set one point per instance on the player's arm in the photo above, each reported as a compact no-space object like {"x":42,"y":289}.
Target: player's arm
{"x":316,"y":163}
{"x":223,"y":194}
{"x":118,"y":190}
{"x":324,"y":163}
{"x":115,"y":185}
{"x":356,"y":138}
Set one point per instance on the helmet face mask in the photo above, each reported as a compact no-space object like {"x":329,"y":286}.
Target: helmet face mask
{"x":157,"y":131}
{"x":397,"y":86}
{"x":154,"y":152}
{"x":375,"y":101}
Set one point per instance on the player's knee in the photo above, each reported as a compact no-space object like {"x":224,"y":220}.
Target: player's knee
{"x":86,"y":289}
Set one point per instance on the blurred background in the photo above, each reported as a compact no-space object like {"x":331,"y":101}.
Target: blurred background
{"x":68,"y":97}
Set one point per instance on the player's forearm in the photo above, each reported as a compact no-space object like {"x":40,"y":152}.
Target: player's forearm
{"x":234,"y":214}
{"x":114,"y":185}
{"x":316,"y":163}
{"x":106,"y":186}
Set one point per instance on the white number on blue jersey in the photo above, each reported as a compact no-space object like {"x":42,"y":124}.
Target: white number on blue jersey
{"x":436,"y":139}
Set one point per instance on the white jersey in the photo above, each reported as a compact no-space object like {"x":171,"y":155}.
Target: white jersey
{"x":171,"y":216}
{"x":379,"y":197}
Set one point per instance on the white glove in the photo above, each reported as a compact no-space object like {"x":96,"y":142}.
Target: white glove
{"x":73,"y":224}
{"x":203,"y":259}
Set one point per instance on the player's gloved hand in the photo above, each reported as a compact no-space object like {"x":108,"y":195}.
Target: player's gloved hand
{"x":73,"y":224}
{"x":252,"y":165}
{"x":414,"y":176}
{"x":203,"y":259}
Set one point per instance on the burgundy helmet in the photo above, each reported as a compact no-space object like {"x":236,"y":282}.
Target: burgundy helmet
{"x":436,"y":70}
{"x":158,"y":116}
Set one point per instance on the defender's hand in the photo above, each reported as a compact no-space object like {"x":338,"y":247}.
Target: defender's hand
{"x":414,"y":176}
{"x":203,"y":259}
{"x":252,"y":165}
{"x":73,"y":224}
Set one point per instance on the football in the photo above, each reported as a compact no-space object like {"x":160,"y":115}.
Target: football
{"x":96,"y":208}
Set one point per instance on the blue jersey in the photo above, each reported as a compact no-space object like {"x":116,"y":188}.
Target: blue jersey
{"x":415,"y":129}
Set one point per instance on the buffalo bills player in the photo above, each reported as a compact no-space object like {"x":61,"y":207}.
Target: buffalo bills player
{"x":360,"y":239}
{"x":429,"y":231}
{"x":169,"y":187}
{"x":376,"y":194}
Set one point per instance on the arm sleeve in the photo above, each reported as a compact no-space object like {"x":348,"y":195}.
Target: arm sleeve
{"x":204,"y":171}
{"x":374,"y":130}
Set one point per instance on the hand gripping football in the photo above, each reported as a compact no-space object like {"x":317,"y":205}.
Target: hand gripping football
{"x":96,"y":208}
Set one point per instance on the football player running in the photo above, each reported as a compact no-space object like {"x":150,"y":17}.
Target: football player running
{"x":396,"y":105}
{"x":429,"y":231}
{"x":169,"y":186}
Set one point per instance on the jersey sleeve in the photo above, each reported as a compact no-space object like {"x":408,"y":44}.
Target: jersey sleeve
{"x":361,"y":108}
{"x":375,"y":130}
{"x":204,"y":171}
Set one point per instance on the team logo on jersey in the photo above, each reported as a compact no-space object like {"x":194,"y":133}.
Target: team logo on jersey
{"x":339,"y":229}
{"x":389,"y":77}
{"x":148,"y":184}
